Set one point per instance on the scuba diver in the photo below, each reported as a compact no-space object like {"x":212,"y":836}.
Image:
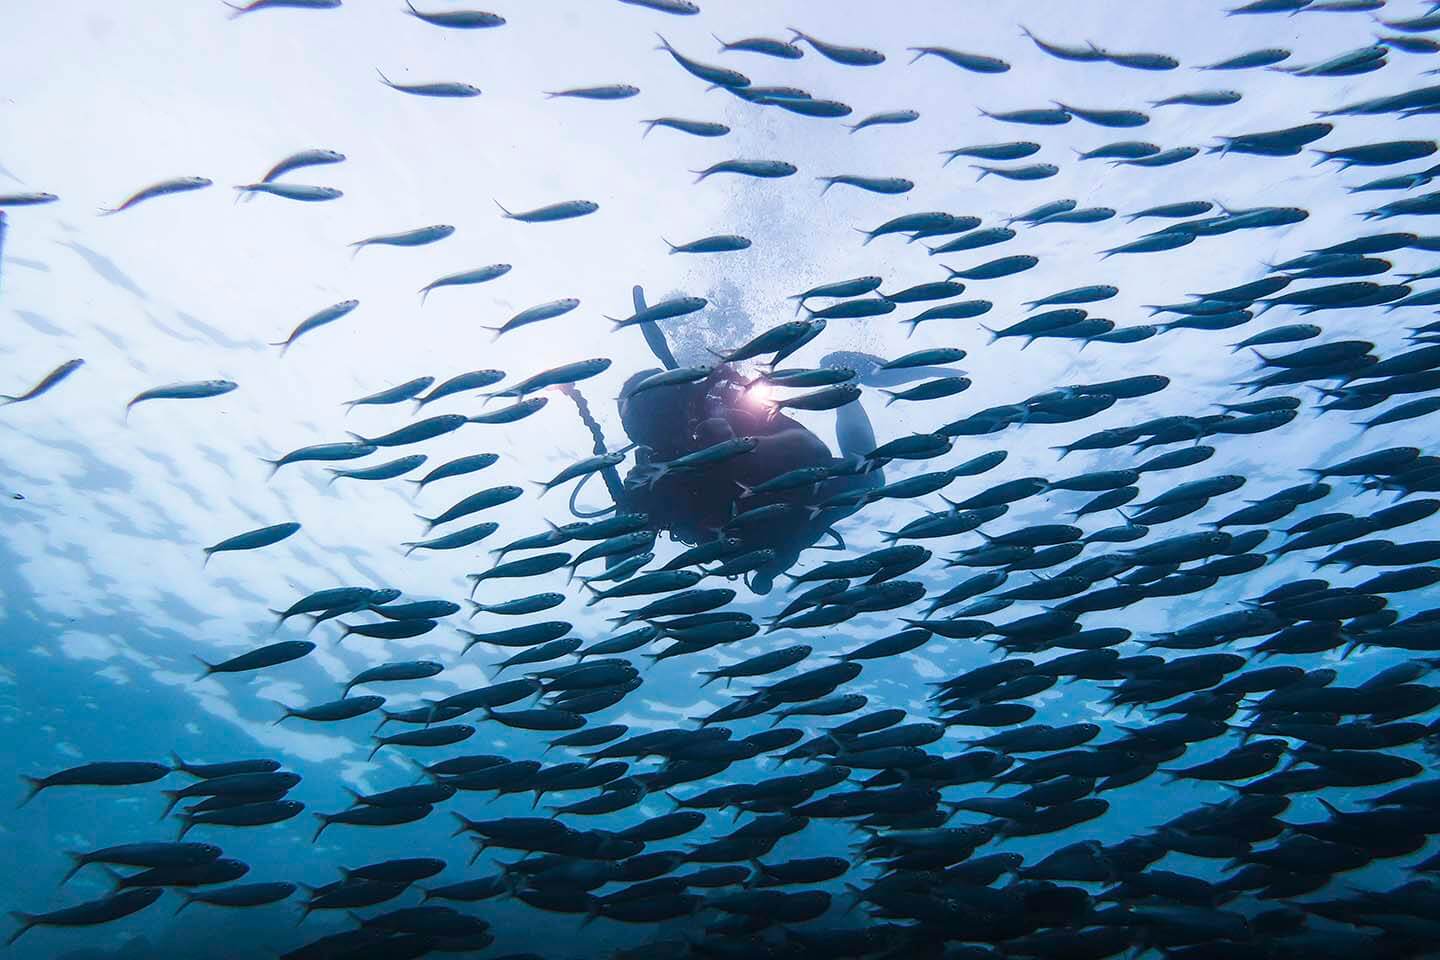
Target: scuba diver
{"x":714,"y":501}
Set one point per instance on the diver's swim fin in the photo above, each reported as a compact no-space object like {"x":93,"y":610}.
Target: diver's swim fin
{"x":853,"y":431}
{"x":651,"y":331}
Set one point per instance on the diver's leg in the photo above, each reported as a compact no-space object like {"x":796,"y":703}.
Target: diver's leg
{"x":653,"y":336}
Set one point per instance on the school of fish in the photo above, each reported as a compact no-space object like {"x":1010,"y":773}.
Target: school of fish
{"x":1317,"y":764}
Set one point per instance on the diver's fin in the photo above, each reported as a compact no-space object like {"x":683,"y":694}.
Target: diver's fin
{"x":864,"y":375}
{"x":654,"y":338}
{"x":853,"y":431}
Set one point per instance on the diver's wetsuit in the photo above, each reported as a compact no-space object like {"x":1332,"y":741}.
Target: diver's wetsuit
{"x":697,"y":506}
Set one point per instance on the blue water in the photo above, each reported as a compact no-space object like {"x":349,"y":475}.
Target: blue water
{"x":105,"y":601}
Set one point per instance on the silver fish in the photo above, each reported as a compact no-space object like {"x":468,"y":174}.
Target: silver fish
{"x":305,"y":158}
{"x":329,"y":315}
{"x":449,"y":90}
{"x":49,"y":381}
{"x":612,"y":91}
{"x":458,"y":19}
{"x":26,"y":199}
{"x":564,"y":210}
{"x":291,"y":191}
{"x":465,"y":278}
{"x":535,"y":314}
{"x":163,"y":188}
{"x":418,"y":237}
{"x":197,"y":390}
{"x":254,"y":5}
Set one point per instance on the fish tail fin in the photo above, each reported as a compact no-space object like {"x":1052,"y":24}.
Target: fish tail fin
{"x":209,"y":667}
{"x":700,"y":175}
{"x":113,"y":876}
{"x":174,"y":797}
{"x":289,"y":712}
{"x":507,"y":213}
{"x":26,"y":921}
{"x":383,"y":79}
{"x":984,"y":171}
{"x":77,"y":861}
{"x":828,"y":181}
{"x":33,"y":785}
{"x":325,"y":821}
